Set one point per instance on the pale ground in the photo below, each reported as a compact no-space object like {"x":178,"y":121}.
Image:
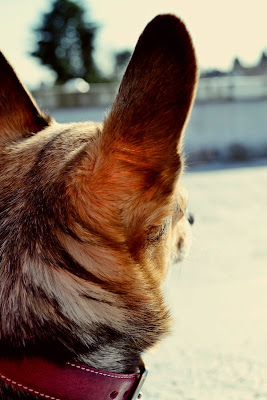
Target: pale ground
{"x":218,"y":296}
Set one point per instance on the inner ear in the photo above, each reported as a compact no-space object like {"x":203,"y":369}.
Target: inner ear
{"x":19,"y":115}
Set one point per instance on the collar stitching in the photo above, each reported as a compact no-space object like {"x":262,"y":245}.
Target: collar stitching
{"x":19,"y":385}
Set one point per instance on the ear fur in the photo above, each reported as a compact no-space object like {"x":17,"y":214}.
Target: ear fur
{"x":157,"y":90}
{"x":19,"y":115}
{"x":138,"y":161}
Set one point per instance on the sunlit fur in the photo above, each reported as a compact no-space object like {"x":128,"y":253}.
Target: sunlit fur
{"x":92,"y":215}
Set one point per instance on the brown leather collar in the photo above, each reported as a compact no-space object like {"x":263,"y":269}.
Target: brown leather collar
{"x":70,"y":381}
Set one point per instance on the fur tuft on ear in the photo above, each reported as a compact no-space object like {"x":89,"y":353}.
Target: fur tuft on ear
{"x":19,"y":115}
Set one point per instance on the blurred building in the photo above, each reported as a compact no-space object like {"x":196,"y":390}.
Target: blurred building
{"x":239,"y":69}
{"x":259,"y":69}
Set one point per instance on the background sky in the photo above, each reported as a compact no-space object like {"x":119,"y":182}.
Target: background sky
{"x":221,"y":30}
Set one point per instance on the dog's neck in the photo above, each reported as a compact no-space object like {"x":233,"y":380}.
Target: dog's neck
{"x":101,"y":340}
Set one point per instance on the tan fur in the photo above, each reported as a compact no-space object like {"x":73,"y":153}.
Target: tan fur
{"x":92,"y":215}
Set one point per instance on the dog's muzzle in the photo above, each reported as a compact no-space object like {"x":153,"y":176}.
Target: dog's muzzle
{"x":70,"y":381}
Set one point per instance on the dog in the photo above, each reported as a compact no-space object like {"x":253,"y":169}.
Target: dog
{"x":91,"y":217}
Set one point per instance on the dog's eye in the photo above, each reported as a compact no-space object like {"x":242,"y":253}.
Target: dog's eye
{"x":154,"y":233}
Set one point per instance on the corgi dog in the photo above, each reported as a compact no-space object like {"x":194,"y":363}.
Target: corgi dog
{"x":92,"y":215}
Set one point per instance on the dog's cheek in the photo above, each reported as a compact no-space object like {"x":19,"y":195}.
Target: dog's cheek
{"x":182,"y":240}
{"x":161,"y":258}
{"x":162,"y":255}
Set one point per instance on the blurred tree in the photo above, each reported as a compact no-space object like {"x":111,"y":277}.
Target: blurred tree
{"x":121,"y":60}
{"x":66,"y":42}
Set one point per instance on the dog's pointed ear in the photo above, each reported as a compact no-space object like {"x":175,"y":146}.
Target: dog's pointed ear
{"x":19,"y":115}
{"x":157,"y":90}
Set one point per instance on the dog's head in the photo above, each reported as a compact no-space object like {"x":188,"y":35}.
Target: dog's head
{"x":92,"y":214}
